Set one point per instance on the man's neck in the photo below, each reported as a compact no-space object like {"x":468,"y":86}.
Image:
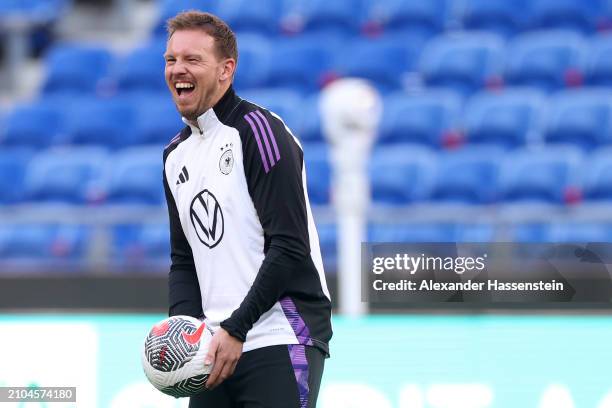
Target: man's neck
{"x":218,"y":95}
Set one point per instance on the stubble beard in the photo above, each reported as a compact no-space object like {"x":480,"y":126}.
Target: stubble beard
{"x":192,"y":115}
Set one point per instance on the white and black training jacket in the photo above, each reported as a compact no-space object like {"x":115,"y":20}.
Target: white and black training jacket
{"x":244,"y":247}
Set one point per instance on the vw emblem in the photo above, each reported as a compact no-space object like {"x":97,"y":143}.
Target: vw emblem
{"x":207,"y":218}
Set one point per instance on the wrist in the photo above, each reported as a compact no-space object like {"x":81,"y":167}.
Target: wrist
{"x":232,"y":331}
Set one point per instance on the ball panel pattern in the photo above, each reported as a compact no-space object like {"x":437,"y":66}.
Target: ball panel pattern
{"x":187,"y":387}
{"x":169,"y":351}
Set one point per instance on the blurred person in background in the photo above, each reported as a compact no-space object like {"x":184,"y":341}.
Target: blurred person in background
{"x":244,"y":248}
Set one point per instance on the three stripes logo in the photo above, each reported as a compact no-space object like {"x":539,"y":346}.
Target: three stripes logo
{"x":207,"y":218}
{"x":266,"y":142}
{"x":183,"y":177}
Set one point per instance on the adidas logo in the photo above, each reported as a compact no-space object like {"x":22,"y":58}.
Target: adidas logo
{"x":183,"y":177}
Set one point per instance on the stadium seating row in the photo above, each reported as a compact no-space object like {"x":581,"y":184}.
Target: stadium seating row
{"x":350,"y":17}
{"x":508,"y":118}
{"x":35,"y":11}
{"x":400,"y":174}
{"x":85,"y":175}
{"x":84,"y":120}
{"x":405,"y":174}
{"x":136,"y":245}
{"x":437,"y":118}
{"x":465,"y":62}
{"x":417,"y":17}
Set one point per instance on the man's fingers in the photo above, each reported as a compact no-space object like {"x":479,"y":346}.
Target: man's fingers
{"x":214,"y":374}
{"x":212,"y":352}
{"x":224,"y":354}
{"x":228,"y":370}
{"x":233,"y":367}
{"x":223,"y":369}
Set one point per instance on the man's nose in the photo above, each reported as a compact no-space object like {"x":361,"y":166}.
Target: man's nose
{"x":178,"y":68}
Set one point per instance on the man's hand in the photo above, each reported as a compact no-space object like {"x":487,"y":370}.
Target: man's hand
{"x":224,"y":352}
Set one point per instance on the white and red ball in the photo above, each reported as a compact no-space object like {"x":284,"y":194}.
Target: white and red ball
{"x":173,"y":356}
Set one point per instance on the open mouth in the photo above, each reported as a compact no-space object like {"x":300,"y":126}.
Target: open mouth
{"x":184,"y":88}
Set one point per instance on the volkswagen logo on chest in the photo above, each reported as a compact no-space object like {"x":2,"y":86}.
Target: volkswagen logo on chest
{"x":207,"y":218}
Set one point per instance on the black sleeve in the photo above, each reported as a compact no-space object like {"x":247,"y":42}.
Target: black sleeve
{"x":273,"y":168}
{"x":184,"y":296}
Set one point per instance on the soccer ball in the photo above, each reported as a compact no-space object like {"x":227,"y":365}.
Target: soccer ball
{"x":173,"y":356}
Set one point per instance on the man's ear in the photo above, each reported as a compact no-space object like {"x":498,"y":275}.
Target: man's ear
{"x":229,"y":66}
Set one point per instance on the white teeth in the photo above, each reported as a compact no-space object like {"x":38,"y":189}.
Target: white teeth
{"x":184,"y":85}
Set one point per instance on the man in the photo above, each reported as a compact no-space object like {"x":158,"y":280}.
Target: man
{"x":245,"y":252}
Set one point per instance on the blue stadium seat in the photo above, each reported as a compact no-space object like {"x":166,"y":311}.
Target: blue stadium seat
{"x":430,"y":118}
{"x":328,"y":237}
{"x":597,"y":176}
{"x":106,"y":122}
{"x":43,"y":242}
{"x":36,"y":11}
{"x":66,"y":175}
{"x":286,"y":103}
{"x":34,"y":21}
{"x":581,"y":117}
{"x":580,"y":232}
{"x":300,"y":62}
{"x":34,"y":125}
{"x":465,"y":62}
{"x":136,"y":177}
{"x":13,"y":164}
{"x":508,"y":119}
{"x":383,"y":60}
{"x":156,"y":120}
{"x":242,"y":16}
{"x":467,"y":176}
{"x":482,"y":232}
{"x":332,"y":18}
{"x":415,"y":18}
{"x":501,"y":17}
{"x":431,"y":232}
{"x":75,"y":68}
{"x":310,"y":125}
{"x":141,"y":244}
{"x":535,"y":232}
{"x":576,"y":15}
{"x":599,"y":61}
{"x":540,"y":175}
{"x":141,"y":69}
{"x":25,"y":241}
{"x":170,"y":8}
{"x":413,"y":232}
{"x":401,"y":174}
{"x":155,"y":239}
{"x":254,"y":61}
{"x":318,"y":172}
{"x":564,"y":232}
{"x":547,"y":60}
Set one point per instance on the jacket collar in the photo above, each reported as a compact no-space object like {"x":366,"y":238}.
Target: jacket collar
{"x":209,"y":119}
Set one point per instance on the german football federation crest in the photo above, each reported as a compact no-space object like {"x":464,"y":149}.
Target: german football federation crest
{"x":226,"y":162}
{"x":207,"y":218}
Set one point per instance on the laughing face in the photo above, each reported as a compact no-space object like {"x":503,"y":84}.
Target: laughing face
{"x":196,"y":76}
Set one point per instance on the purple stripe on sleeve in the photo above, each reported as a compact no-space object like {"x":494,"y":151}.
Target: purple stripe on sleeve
{"x":272,"y":138}
{"x":264,"y":136}
{"x":295,"y":320}
{"x":261,"y":151}
{"x":174,"y":139}
{"x":297,"y":354}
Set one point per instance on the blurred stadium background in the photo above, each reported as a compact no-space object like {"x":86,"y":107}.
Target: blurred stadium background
{"x":497,"y":126}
